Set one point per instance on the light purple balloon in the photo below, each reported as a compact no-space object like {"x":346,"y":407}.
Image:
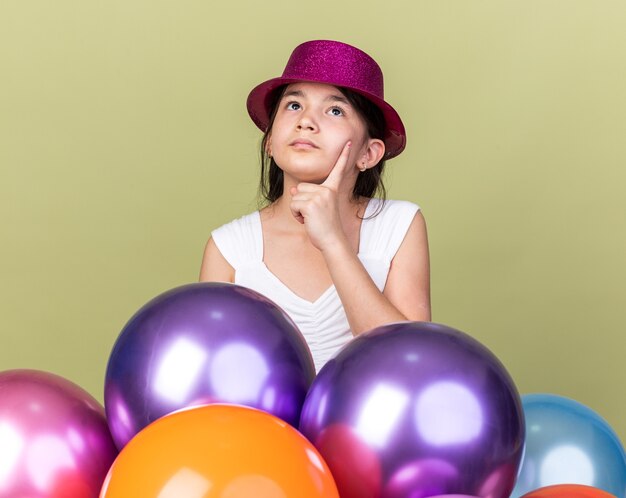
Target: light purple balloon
{"x":203,"y":343}
{"x":420,"y":479}
{"x":54,"y":439}
{"x":423,"y":410}
{"x":454,"y":496}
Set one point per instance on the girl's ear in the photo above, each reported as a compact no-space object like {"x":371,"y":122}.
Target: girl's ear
{"x":374,"y":152}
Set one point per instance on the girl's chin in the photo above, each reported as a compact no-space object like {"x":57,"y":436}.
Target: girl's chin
{"x":308,"y":175}
{"x":300,"y":179}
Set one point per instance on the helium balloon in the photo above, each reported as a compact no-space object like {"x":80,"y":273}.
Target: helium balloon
{"x":219,"y":451}
{"x":453,"y":496}
{"x":205,"y":343}
{"x":568,"y":491}
{"x":414,"y":409}
{"x":54,"y":439}
{"x":568,"y":443}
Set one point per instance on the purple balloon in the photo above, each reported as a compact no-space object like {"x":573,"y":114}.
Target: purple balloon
{"x":54,"y":439}
{"x":204,"y":343}
{"x":431,"y":410}
{"x":453,"y":496}
{"x":420,"y":478}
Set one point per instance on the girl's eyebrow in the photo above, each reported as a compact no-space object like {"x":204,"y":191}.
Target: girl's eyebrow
{"x":332,"y":98}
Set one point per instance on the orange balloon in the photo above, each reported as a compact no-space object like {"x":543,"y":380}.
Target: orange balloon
{"x":568,"y":491}
{"x":224,"y":451}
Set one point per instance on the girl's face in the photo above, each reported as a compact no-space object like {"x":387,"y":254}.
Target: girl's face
{"x":313,"y":123}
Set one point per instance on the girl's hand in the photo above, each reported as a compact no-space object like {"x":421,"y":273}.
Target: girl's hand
{"x":317,"y":208}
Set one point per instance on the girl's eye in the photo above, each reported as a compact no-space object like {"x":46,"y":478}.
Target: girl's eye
{"x":295,"y":106}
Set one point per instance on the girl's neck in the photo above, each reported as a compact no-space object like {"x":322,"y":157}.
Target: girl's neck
{"x":350,"y":211}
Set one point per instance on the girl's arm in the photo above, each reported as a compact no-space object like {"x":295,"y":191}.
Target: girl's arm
{"x":214,"y":266}
{"x":407,"y":291}
{"x":406,"y":295}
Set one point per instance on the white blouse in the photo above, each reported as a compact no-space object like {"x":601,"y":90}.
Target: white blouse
{"x":323,"y":322}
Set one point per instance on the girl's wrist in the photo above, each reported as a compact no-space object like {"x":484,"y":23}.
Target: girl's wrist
{"x":338,"y":247}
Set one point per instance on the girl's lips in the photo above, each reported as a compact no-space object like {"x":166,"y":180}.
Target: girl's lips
{"x":304,"y":144}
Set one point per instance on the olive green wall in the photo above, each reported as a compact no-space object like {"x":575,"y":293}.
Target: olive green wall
{"x":124,"y":139}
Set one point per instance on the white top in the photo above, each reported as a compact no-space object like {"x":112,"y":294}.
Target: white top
{"x":323,"y":322}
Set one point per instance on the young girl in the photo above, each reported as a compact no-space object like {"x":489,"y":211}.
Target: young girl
{"x":336,"y":259}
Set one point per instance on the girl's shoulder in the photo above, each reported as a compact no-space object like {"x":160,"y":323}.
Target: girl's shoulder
{"x":246,"y":220}
{"x":385,"y":226}
{"x":239,"y":240}
{"x":391,"y":208}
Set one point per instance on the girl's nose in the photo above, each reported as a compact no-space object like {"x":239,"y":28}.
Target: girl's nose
{"x":305,"y":122}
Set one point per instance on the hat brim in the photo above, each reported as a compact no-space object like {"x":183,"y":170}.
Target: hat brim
{"x":259,"y":101}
